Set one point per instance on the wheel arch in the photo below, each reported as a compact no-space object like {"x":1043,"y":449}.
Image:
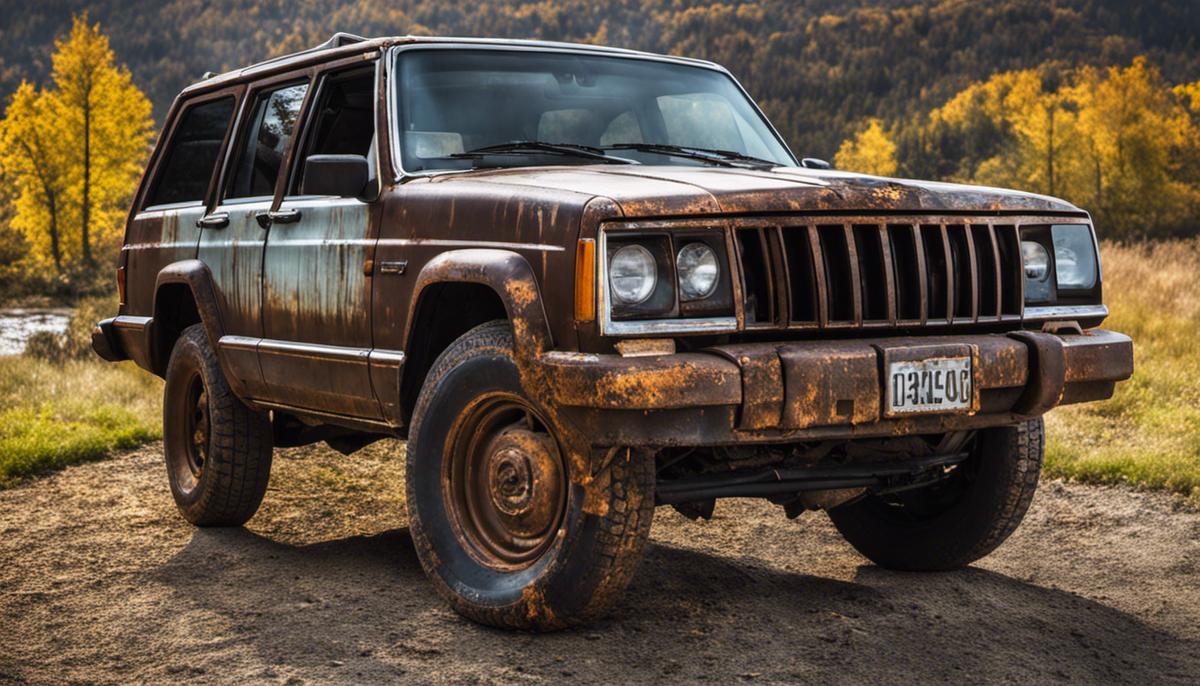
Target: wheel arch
{"x":183,"y":296}
{"x":459,"y":290}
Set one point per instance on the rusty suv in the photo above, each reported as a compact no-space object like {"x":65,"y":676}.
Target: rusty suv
{"x":582,"y":283}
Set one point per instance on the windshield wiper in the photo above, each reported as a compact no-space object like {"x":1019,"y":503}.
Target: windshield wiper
{"x":726,"y":158}
{"x":568,"y":149}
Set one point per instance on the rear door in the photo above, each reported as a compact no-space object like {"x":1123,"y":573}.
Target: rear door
{"x":164,"y":229}
{"x":316,"y":344}
{"x":234,"y":235}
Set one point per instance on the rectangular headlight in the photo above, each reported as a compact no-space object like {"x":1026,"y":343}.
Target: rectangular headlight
{"x":680,"y":274}
{"x":1075,"y":262}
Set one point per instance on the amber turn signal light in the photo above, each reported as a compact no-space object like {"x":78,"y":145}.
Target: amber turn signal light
{"x":585,"y":280}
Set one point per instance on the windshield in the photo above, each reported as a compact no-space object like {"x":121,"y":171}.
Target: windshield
{"x":464,"y":109}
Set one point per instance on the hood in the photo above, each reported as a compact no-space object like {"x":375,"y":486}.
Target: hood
{"x":662,"y":191}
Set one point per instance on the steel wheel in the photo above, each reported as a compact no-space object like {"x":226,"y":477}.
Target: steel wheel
{"x":505,"y":482}
{"x":217,"y":450}
{"x":188,"y":465}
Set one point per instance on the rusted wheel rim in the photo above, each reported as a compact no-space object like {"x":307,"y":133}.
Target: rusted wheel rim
{"x":196,"y":434}
{"x":506,"y":483}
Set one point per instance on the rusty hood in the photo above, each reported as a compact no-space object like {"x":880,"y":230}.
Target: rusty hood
{"x":664,"y":191}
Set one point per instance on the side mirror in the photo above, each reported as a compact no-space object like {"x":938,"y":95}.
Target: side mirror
{"x":814,"y":163}
{"x":345,"y":176}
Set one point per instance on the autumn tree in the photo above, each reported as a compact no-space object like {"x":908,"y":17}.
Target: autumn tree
{"x":1120,"y":142}
{"x":74,"y":150}
{"x":107,"y":124}
{"x":870,"y":151}
{"x":33,"y":161}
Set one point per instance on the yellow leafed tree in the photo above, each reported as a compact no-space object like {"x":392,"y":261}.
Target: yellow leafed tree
{"x":33,"y":161}
{"x":74,"y":151}
{"x":1118,"y":141}
{"x":870,"y":151}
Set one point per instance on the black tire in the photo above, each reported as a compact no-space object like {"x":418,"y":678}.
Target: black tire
{"x":953,"y":523}
{"x":218,"y":450}
{"x":570,"y":561}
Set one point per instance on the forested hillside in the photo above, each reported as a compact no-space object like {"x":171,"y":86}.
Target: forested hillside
{"x":819,"y":67}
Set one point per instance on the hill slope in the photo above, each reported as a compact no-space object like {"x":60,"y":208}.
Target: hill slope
{"x":817,"y":66}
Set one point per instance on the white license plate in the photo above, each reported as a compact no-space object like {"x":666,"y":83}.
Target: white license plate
{"x":941,"y":384}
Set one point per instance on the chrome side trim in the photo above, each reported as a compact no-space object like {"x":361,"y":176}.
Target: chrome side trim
{"x":666,"y":326}
{"x":1065,"y":312}
{"x":294,"y":349}
{"x":328,"y":352}
{"x":245,"y":343}
{"x":389,"y":358}
{"x":128,"y":321}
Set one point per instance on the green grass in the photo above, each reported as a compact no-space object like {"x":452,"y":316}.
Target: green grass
{"x":1148,"y":434}
{"x":53,"y":415}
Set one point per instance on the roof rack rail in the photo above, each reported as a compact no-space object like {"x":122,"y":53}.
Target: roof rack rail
{"x":337,"y":40}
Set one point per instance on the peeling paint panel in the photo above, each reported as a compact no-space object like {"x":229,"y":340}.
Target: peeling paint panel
{"x":315,"y":294}
{"x":153,"y":240}
{"x":234,"y":254}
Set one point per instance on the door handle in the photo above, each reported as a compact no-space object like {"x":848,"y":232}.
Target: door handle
{"x":266,"y":219}
{"x":216,"y":220}
{"x":284,"y":216}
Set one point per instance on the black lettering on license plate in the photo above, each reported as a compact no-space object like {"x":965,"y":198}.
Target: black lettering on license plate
{"x":932,"y":385}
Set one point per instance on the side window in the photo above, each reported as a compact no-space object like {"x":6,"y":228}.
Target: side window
{"x":194,"y":148}
{"x":343,"y":121}
{"x":271,"y":125}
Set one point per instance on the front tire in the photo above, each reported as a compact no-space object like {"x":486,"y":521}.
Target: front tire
{"x":508,"y":531}
{"x":954,"y":522}
{"x":218,"y":450}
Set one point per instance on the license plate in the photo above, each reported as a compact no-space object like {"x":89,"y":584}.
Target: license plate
{"x":941,"y":384}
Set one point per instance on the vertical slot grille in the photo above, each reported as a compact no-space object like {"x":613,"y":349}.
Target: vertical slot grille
{"x":908,"y":270}
{"x":962,"y":263}
{"x":874,"y":272}
{"x":756,"y":276}
{"x":866,"y":272}
{"x":937,"y":281}
{"x":1012,"y":272}
{"x":987,"y":266}
{"x":802,"y":275}
{"x":841,"y":289}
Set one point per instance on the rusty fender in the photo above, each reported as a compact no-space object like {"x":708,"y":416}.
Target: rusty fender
{"x":505,"y":272}
{"x":810,"y":390}
{"x":130,"y":337}
{"x":196,"y":276}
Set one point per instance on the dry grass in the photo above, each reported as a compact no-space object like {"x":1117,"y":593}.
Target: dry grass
{"x":1148,"y":434}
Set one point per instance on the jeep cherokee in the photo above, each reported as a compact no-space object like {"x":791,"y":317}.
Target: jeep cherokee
{"x":584,"y":282}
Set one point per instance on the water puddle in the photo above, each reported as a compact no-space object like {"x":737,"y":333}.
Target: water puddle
{"x":17,"y":325}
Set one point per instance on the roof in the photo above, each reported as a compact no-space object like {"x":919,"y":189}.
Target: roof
{"x":348,"y":45}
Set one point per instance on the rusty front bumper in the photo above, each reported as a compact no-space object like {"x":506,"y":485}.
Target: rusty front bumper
{"x":764,"y":392}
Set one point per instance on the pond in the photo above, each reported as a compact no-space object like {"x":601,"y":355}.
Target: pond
{"x":17,"y":325}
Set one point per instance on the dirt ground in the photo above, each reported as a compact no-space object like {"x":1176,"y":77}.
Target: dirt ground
{"x":102,"y":582}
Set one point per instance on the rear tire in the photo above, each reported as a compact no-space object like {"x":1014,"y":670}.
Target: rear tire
{"x":218,"y":450}
{"x":955,"y":522}
{"x":508,"y":536}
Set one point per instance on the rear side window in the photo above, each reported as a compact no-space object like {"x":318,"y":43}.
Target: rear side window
{"x":188,"y":165}
{"x":272,"y":124}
